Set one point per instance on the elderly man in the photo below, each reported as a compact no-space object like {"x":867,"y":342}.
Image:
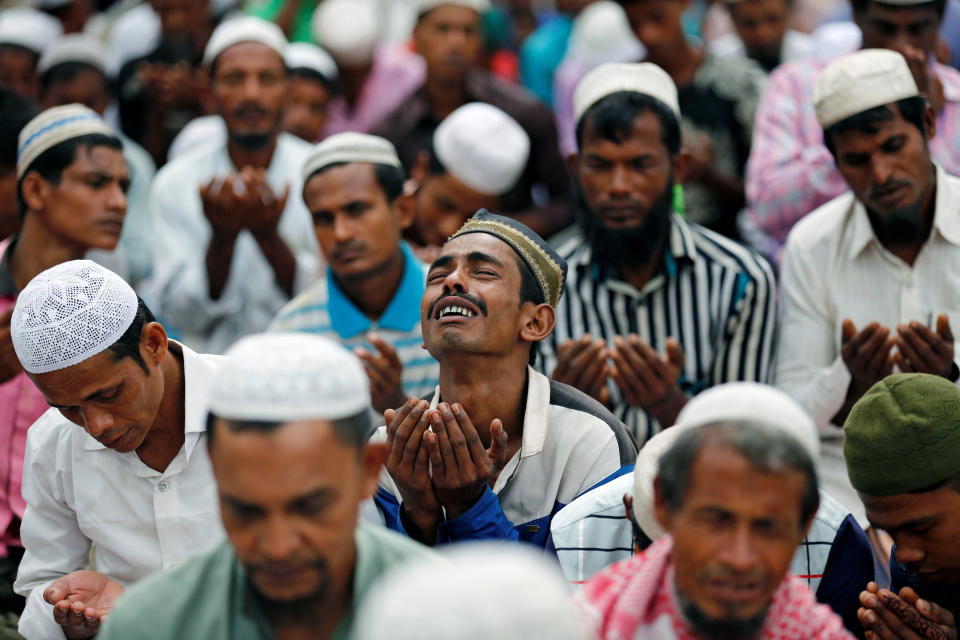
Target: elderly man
{"x":903,"y":456}
{"x":736,"y":498}
{"x":447,"y":35}
{"x":231,"y":247}
{"x":791,"y":171}
{"x":869,"y":280}
{"x":477,"y":156}
{"x":292,"y":465}
{"x":369,"y":296}
{"x":127,"y":422}
{"x":657,"y":309}
{"x":498,"y":448}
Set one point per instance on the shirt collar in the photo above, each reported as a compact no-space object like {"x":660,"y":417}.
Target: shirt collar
{"x":402,"y":314}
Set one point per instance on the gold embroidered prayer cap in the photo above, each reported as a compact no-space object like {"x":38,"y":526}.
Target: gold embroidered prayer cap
{"x":546,"y":264}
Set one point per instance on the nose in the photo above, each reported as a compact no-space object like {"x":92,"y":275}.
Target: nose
{"x":881,"y":169}
{"x":342,"y":229}
{"x":117,"y":199}
{"x":96,"y":422}
{"x":739,"y":554}
{"x":251,"y":88}
{"x":909,"y":552}
{"x":454,"y":281}
{"x":619,"y":184}
{"x":279,"y":539}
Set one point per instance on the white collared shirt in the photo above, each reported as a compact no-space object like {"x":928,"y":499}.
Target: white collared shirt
{"x":80,"y":493}
{"x":835,"y":268}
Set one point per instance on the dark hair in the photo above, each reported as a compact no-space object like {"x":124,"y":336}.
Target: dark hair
{"x":51,"y":163}
{"x":67,"y":71}
{"x":911,"y":109}
{"x":15,"y":112}
{"x":767,"y":449}
{"x":613,"y":116}
{"x":16,"y":48}
{"x":128,"y":345}
{"x":388,"y":176}
{"x":305,"y":73}
{"x":353,"y":430}
{"x":859,"y":6}
{"x":530,"y":291}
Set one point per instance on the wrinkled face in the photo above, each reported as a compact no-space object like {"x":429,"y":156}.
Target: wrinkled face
{"x":890,"y":170}
{"x":18,"y":71}
{"x":88,"y":87}
{"x":357,"y":229}
{"x":886,"y":27}
{"x":734,"y":535}
{"x":925,"y":528}
{"x":443,"y":204}
{"x":250,"y":89}
{"x":448,"y":38}
{"x":87,"y":206}
{"x":658,"y":25}
{"x":305,"y":113}
{"x":289,"y":501}
{"x":116,"y":402}
{"x":761,"y":24}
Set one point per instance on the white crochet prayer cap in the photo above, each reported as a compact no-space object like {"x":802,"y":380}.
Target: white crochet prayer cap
{"x":75,"y":47}
{"x":70,"y":313}
{"x":423,"y":6}
{"x":303,"y":55}
{"x":482,"y":147}
{"x":244,"y":29}
{"x":638,"y":77}
{"x":859,"y":81}
{"x":28,"y":28}
{"x":487,"y":590}
{"x":53,"y":126}
{"x":282,"y":377}
{"x":347,"y":147}
{"x":732,"y":402}
{"x":601,"y":33}
{"x":348,"y":29}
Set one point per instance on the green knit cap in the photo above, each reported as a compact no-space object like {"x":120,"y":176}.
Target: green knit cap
{"x":903,"y":435}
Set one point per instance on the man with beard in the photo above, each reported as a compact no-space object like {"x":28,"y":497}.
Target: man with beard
{"x":762,"y":34}
{"x":293,"y":466}
{"x":656,"y":308}
{"x":230,"y":247}
{"x":869,"y":279}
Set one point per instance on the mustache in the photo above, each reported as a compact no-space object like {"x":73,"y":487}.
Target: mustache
{"x":349,"y":245}
{"x":878,"y":191}
{"x":250,"y":109}
{"x":475,"y":301}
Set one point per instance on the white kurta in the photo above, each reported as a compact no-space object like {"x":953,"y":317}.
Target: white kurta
{"x":179,"y":291}
{"x":80,"y":493}
{"x":835,"y":268}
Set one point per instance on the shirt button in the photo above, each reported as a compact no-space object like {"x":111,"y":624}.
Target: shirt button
{"x":163,"y":486}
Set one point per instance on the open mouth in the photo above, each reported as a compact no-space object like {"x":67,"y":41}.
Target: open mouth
{"x":455,"y":308}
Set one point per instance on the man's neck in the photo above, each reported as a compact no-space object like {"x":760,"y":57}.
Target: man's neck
{"x":444,"y":96}
{"x":167,"y":435}
{"x":373,"y":292}
{"x":681,"y":63}
{"x":256,"y":158}
{"x":37,"y":250}
{"x":638,"y":275}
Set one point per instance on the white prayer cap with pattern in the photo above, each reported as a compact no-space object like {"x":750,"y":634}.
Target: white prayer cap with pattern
{"x":423,"y":6}
{"x":75,"y":47}
{"x":601,"y":33}
{"x":70,"y":313}
{"x":303,"y":55}
{"x":348,"y":29}
{"x":53,"y":126}
{"x":482,"y":147}
{"x":244,"y":29}
{"x":860,"y":81}
{"x":28,"y":28}
{"x":487,"y":590}
{"x":347,"y":147}
{"x":637,"y":77}
{"x":283,"y":377}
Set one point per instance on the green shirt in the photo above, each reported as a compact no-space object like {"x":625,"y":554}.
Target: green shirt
{"x":208,"y":598}
{"x":302,"y":17}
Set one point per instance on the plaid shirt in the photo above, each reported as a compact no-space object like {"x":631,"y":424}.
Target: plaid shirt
{"x":790,"y":172}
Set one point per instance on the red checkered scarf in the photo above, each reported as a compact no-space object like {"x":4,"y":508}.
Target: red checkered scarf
{"x":633,"y":600}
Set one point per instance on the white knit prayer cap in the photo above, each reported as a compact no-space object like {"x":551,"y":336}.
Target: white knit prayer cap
{"x":347,"y":147}
{"x":28,"y":28}
{"x":75,"y":47}
{"x":348,"y":29}
{"x":53,"y":126}
{"x":473,"y":591}
{"x":244,"y":29}
{"x":732,"y":402}
{"x":637,"y":77}
{"x":859,"y":81}
{"x":69,"y":313}
{"x":601,"y":33}
{"x":423,"y":6}
{"x":283,"y":377}
{"x":303,"y":55}
{"x":482,"y":147}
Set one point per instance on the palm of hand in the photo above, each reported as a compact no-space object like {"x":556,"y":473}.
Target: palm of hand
{"x":92,"y":589}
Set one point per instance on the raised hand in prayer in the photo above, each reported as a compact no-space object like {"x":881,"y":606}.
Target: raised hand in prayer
{"x":221,"y":204}
{"x":920,"y":350}
{"x":866,"y":354}
{"x":81,"y":601}
{"x":9,"y":363}
{"x":928,"y":83}
{"x":462,"y":468}
{"x":887,"y":616}
{"x":648,"y":379}
{"x":384,"y":370}
{"x":408,"y":465}
{"x":262,"y":207}
{"x":583,"y":364}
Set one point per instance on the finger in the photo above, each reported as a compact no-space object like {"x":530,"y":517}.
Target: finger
{"x":857,"y":341}
{"x":908,"y":356}
{"x":400,"y":415}
{"x":594,"y":373}
{"x":646,"y":366}
{"x":910,"y":620}
{"x":474,"y":445}
{"x":386,"y":350}
{"x":436,"y":458}
{"x":413,"y":444}
{"x":586,"y":365}
{"x":421,"y":466}
{"x":443,"y":443}
{"x":943,"y":328}
{"x":498,"y":444}
{"x":937,"y":345}
{"x":934,"y":612}
{"x":565,"y":354}
{"x":880,"y":357}
{"x":624,"y":376}
{"x":674,"y":354}
{"x":848,"y":330}
{"x":873,"y":626}
{"x":61,"y":612}
{"x":865,"y":353}
{"x":57,"y":591}
{"x":91,"y":619}
{"x":926,"y":357}
{"x":458,"y":440}
{"x":75,"y":618}
{"x":282,"y":204}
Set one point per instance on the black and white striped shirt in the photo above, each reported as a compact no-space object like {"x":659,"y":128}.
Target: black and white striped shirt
{"x":712,"y":295}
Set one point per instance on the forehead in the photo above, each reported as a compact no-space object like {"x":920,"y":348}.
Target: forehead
{"x":462,"y":246}
{"x":99,"y":158}
{"x":338,"y":186}
{"x":449,"y":14}
{"x":308,"y":86}
{"x":72,"y":385}
{"x":851,"y":139}
{"x":757,"y":7}
{"x":901,"y":14}
{"x":645,"y":135}
{"x":889,"y":512}
{"x":249,"y":57}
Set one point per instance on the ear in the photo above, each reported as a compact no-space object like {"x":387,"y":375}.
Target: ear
{"x":539,"y":323}
{"x":154,"y":344}
{"x":929,"y":121}
{"x":373,"y":457}
{"x":573,"y":164}
{"x":405,"y":207}
{"x":660,"y":508}
{"x":420,"y":168}
{"x":681,"y":162}
{"x":36,"y":191}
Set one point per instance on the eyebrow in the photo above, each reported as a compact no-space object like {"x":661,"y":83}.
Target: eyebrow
{"x":479,"y":256}
{"x":442,"y":261}
{"x":909,"y":524}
